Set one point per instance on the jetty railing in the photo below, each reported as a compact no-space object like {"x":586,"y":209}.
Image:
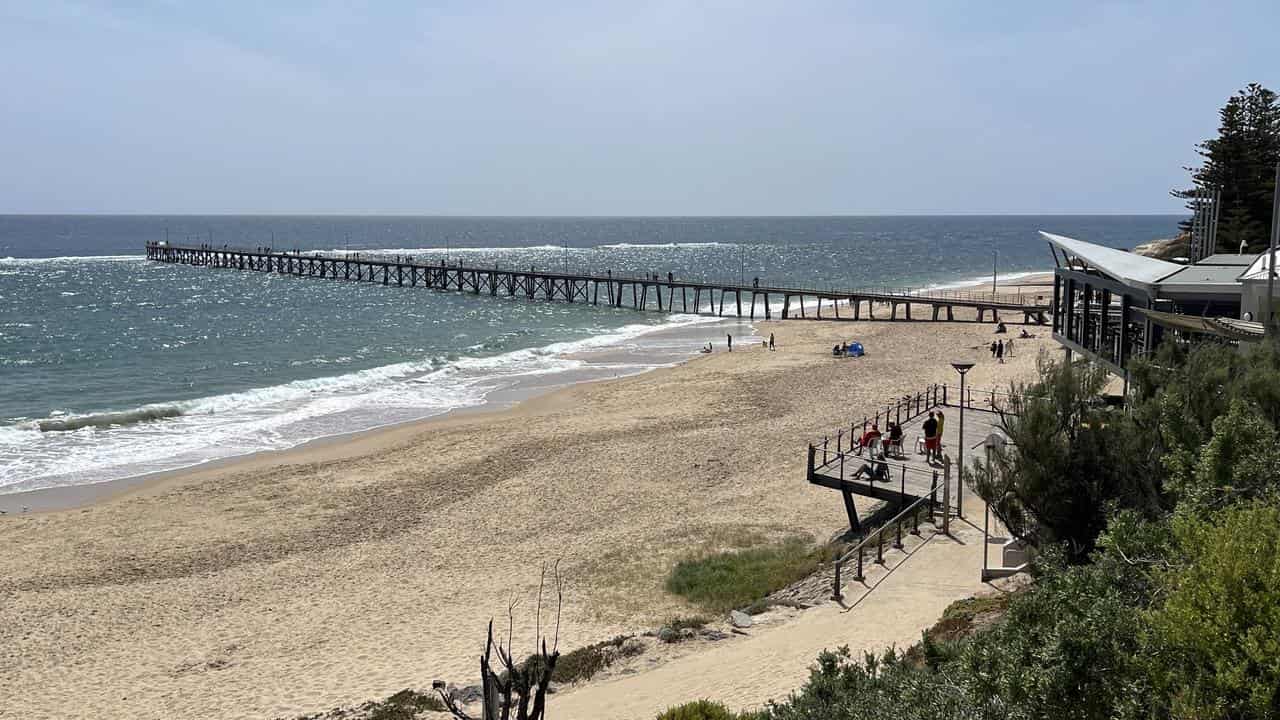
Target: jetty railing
{"x":925,"y":505}
{"x":901,"y":409}
{"x":986,"y":399}
{"x":551,"y":284}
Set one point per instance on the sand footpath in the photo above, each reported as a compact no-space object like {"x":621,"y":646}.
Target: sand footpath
{"x":297,"y":581}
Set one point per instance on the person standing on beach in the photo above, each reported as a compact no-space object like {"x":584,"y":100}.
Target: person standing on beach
{"x":1008,"y":347}
{"x":1000,"y":351}
{"x":941,"y":426}
{"x":730,"y":338}
{"x":771,"y":345}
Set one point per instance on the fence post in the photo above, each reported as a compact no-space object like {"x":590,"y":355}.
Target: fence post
{"x":902,"y":495}
{"x":835,"y":590}
{"x":933,"y":499}
{"x":859,"y":577}
{"x":915,"y":521}
{"x":944,"y":395}
{"x":809,"y":476}
{"x":946,"y":494}
{"x":897,"y":539}
{"x":824,"y":450}
{"x":880,"y":547}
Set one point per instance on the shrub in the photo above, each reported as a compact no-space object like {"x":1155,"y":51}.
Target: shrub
{"x":585,"y":662}
{"x":1214,"y":645}
{"x":699,"y":710}
{"x":404,"y":705}
{"x":723,"y":581}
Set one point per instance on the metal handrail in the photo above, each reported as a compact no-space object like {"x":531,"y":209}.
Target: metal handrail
{"x":913,"y":510}
{"x":914,"y":404}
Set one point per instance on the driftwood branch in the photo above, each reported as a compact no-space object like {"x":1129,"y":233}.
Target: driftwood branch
{"x":516,"y":685}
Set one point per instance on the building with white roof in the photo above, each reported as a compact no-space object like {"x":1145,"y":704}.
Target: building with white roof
{"x":1111,"y":305}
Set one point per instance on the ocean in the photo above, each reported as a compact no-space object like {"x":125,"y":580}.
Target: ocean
{"x":113,"y":367}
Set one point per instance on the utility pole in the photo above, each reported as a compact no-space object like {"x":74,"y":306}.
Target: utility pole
{"x":1270,"y":327}
{"x":995,"y":262}
{"x":742,"y":264}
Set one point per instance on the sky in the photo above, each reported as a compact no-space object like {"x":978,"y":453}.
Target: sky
{"x":616,"y":108}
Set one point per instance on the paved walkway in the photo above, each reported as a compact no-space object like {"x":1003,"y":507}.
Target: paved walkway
{"x":899,"y":602}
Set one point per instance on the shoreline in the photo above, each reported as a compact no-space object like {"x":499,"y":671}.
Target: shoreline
{"x":525,"y":389}
{"x":307,"y":579}
{"x":70,"y":497}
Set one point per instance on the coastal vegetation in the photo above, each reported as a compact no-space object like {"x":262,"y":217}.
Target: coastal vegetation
{"x":728,"y":580}
{"x":1241,"y":163}
{"x":1156,"y":587}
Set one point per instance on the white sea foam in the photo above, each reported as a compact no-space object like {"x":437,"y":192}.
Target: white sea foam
{"x":70,"y":449}
{"x":662,"y":246}
{"x":69,"y":259}
{"x":974,"y":282}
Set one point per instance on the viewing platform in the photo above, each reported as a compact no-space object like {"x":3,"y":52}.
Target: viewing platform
{"x":837,"y":460}
{"x":654,"y":292}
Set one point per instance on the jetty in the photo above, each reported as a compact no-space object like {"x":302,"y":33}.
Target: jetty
{"x":653,"y":292}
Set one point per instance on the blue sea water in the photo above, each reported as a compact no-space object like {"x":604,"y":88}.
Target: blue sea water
{"x":111,"y":366}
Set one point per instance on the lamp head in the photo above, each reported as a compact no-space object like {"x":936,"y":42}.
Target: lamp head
{"x":962,"y":367}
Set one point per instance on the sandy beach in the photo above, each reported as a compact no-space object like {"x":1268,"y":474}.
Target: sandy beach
{"x":292,"y":582}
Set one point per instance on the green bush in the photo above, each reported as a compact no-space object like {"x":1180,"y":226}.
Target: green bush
{"x":1214,"y":644}
{"x":585,"y":662}
{"x":404,"y":705}
{"x":699,"y":710}
{"x":723,"y":581}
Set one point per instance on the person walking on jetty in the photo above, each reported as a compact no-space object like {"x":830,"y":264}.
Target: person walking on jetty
{"x":730,"y":341}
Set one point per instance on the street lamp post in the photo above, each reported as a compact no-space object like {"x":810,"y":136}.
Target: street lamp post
{"x":962,"y":368}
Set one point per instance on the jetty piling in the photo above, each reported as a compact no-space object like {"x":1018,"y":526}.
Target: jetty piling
{"x":572,"y":287}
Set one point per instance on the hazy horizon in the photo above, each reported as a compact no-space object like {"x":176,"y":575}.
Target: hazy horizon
{"x":570,"y":109}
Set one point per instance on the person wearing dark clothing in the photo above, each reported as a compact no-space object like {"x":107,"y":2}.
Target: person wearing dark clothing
{"x":875,"y":471}
{"x":1000,"y":351}
{"x":730,"y":337}
{"x":932,"y":444}
{"x":895,"y":439}
{"x":771,"y":345}
{"x":993,"y":348}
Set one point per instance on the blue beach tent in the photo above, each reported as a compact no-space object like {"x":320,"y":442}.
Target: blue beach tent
{"x":855,"y":349}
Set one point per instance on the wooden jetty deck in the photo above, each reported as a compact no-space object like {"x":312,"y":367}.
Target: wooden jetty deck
{"x":835,"y":460}
{"x":655,"y":292}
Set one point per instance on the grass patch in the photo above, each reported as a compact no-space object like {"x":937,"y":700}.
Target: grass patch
{"x":700,"y":710}
{"x":694,"y":622}
{"x":404,"y":705}
{"x":585,"y":662}
{"x":722,"y":581}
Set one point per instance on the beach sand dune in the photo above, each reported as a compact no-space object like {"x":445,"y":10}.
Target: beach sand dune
{"x":293,"y":582}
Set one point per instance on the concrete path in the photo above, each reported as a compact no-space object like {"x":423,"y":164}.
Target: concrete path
{"x":892,"y":607}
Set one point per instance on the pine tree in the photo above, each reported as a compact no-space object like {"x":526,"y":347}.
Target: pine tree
{"x":1241,"y":162}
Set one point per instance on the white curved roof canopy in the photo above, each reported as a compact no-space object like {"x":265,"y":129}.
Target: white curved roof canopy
{"x":1127,"y":267}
